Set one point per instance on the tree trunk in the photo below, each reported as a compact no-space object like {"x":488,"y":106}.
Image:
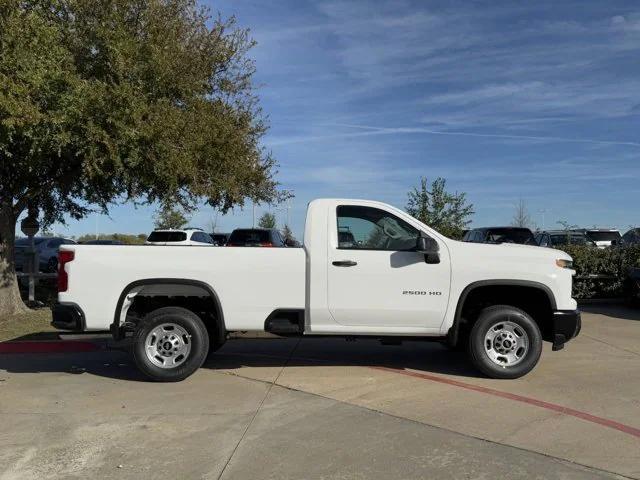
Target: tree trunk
{"x":10,"y":301}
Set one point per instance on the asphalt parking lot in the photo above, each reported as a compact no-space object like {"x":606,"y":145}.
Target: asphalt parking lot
{"x":316,"y":408}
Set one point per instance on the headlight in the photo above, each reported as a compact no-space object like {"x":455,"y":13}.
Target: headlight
{"x":562,"y":263}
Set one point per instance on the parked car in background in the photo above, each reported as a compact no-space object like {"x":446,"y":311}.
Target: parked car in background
{"x":346,"y":239}
{"x":187,"y":236}
{"x":559,"y":238}
{"x":632,"y":237}
{"x":220,"y":239}
{"x":47,"y":248}
{"x":520,"y":235}
{"x":102,"y":242}
{"x":255,"y":237}
{"x":603,"y":237}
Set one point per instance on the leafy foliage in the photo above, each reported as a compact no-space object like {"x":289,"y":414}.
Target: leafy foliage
{"x":267,"y":220}
{"x":447,"y":213}
{"x":610,"y":264}
{"x":127,"y":99}
{"x":288,"y":236}
{"x":169,"y":216}
{"x":127,"y":239}
{"x":139,"y":100}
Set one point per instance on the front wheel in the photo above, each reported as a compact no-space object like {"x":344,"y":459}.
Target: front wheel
{"x":505,"y":342}
{"x":170,"y":344}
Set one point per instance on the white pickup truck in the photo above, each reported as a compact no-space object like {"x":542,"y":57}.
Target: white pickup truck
{"x":366,"y":270}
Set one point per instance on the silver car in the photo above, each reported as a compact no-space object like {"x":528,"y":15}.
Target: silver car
{"x":47,"y":248}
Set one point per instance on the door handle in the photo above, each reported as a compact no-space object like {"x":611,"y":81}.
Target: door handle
{"x":344,"y":263}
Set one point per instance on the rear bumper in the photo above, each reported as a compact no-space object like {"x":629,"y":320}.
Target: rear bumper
{"x":68,"y":316}
{"x":566,"y":325}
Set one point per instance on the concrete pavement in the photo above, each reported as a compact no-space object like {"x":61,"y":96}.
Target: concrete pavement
{"x":319,"y":408}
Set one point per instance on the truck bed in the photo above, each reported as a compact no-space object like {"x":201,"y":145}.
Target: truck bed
{"x":249,"y":282}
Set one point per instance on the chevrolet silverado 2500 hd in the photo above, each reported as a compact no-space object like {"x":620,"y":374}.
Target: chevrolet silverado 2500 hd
{"x":366,"y":269}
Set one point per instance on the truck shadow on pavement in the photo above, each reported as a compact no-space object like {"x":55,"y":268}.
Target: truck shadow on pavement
{"x":428,"y":357}
{"x":238,"y":354}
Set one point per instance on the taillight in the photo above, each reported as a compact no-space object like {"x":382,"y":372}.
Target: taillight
{"x":64,"y":257}
{"x":266,"y":244}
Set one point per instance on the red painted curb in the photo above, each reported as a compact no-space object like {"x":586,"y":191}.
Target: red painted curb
{"x":53,"y":346}
{"x":605,"y":422}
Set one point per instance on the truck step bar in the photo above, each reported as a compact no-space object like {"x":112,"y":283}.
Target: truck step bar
{"x":286,"y":323}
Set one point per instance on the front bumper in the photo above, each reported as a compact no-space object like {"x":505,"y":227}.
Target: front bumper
{"x":67,"y":316}
{"x":566,"y":325}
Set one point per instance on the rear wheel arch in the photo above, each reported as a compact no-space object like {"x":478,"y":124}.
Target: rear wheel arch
{"x":196,"y":288}
{"x":476,"y":290}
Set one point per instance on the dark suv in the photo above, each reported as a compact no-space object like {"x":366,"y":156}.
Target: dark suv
{"x":632,"y":237}
{"x":558,"y":238}
{"x":255,"y":237}
{"x":500,"y":235}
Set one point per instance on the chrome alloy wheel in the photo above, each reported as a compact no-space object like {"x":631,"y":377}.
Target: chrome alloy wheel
{"x":168,"y":345}
{"x":506,"y":343}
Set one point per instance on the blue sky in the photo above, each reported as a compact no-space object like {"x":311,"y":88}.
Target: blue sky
{"x":509,"y":100}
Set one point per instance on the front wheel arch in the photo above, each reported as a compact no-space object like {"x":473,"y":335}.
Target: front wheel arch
{"x":485,"y":293}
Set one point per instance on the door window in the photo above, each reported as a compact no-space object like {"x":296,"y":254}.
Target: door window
{"x":368,"y":228}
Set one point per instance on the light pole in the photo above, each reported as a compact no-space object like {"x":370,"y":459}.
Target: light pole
{"x":286,"y":209}
{"x":542,"y":211}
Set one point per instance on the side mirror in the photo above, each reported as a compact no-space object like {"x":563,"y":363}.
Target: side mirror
{"x":429,"y":247}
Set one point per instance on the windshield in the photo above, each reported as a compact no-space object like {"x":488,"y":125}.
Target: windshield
{"x":604,"y":236}
{"x":167,"y":237}
{"x":511,"y":235}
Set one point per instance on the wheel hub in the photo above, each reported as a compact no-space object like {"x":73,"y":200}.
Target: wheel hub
{"x":506,"y":343}
{"x":168,"y":345}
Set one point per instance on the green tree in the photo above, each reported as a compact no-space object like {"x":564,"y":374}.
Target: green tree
{"x":103,"y":101}
{"x":288,"y":236}
{"x":447,"y":213}
{"x":267,"y":220}
{"x":169,"y":216}
{"x":125,"y":238}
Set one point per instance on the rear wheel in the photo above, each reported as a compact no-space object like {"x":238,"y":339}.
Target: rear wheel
{"x":505,"y":342}
{"x":170,"y":344}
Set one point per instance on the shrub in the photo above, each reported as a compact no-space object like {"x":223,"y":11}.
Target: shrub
{"x":600,"y":273}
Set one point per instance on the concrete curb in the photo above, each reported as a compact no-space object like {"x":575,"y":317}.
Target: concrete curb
{"x":49,"y":346}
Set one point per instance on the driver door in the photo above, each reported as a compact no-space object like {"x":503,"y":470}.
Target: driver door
{"x":376,"y":278}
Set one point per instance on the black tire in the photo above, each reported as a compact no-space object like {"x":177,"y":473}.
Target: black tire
{"x":198,"y":341}
{"x":491,"y":316}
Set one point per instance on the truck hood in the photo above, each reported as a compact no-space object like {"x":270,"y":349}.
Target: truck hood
{"x":502,"y":250}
